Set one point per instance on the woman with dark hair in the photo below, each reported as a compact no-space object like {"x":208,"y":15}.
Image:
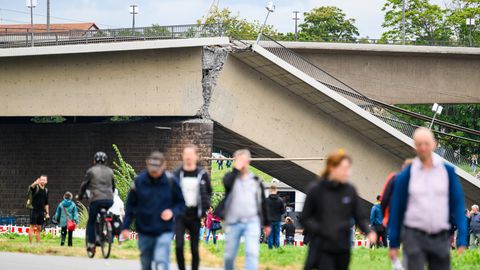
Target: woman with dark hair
{"x":330,"y":205}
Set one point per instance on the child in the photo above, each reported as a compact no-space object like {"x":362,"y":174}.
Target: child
{"x":66,"y":210}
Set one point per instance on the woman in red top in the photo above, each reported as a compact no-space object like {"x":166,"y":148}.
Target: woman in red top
{"x":212,"y":224}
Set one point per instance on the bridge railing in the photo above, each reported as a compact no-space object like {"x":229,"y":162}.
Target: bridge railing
{"x":25,"y":38}
{"x":383,"y":112}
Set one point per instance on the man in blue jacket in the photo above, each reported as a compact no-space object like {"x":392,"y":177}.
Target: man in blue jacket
{"x":427,"y":201}
{"x":376,"y":222}
{"x":155,"y":198}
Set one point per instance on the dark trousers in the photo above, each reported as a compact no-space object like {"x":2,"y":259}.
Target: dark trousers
{"x":93,"y":211}
{"x":64,"y":233}
{"x":381,"y":233}
{"x":182,"y":224}
{"x":333,"y":260}
{"x":422,"y":249}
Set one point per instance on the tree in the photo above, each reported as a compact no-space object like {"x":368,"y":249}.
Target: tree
{"x":48,"y":119}
{"x":458,"y":12}
{"x":327,"y":23}
{"x":424,"y":22}
{"x":233,"y":26}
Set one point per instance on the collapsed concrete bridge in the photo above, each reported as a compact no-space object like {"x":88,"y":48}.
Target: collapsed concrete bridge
{"x":208,"y":91}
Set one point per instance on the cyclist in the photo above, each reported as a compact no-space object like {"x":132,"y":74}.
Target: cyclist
{"x":100,"y":185}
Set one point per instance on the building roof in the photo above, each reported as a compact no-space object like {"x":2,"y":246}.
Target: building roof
{"x":41,"y":28}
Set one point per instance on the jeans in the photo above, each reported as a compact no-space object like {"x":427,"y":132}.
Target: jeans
{"x":93,"y":211}
{"x":290,"y":239}
{"x":274,"y":237}
{"x":233,"y":233}
{"x":214,"y":236}
{"x":155,"y":251}
{"x":193,"y":226}
{"x":474,"y":240}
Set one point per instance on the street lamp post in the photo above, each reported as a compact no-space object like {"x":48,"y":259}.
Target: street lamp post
{"x":403,"y":22}
{"x":470,"y":24}
{"x":133,"y":11}
{"x":31,"y":4}
{"x":296,"y":18}
{"x":437,"y":109}
{"x":270,"y":9}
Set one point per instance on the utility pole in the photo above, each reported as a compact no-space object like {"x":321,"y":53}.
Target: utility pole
{"x":296,"y":18}
{"x":133,"y":11}
{"x":403,"y":22}
{"x":31,"y":4}
{"x":48,"y":16}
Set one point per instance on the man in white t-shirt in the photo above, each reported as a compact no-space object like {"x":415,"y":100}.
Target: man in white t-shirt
{"x":197,"y":190}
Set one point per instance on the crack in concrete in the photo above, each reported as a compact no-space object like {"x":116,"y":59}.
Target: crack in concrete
{"x":213,"y":60}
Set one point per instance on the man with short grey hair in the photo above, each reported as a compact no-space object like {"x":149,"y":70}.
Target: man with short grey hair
{"x":427,"y":197}
{"x":474,"y":227}
{"x":244,"y":210}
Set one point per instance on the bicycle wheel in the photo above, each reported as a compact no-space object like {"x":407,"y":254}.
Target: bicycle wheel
{"x":90,"y":253}
{"x":105,"y":237}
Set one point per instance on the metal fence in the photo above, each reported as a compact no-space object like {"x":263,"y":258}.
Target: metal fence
{"x":27,"y":39}
{"x":383,"y":112}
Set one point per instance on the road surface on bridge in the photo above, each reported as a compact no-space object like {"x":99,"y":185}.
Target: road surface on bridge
{"x":23,"y":261}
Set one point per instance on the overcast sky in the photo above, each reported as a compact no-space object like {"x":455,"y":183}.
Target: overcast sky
{"x":114,"y":13}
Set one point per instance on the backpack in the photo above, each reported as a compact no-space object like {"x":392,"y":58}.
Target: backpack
{"x":30,"y":195}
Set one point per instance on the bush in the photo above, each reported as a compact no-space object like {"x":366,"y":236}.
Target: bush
{"x":123,"y":174}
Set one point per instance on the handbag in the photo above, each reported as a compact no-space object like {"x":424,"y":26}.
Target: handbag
{"x":70,"y":224}
{"x":216,"y":225}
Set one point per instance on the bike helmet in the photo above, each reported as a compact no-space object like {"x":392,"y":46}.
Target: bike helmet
{"x":100,"y":157}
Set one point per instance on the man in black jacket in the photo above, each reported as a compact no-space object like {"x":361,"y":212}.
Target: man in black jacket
{"x":276,"y":208}
{"x":197,"y":190}
{"x":245,"y":211}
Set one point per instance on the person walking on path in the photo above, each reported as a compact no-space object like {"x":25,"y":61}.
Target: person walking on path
{"x":427,"y":201}
{"x":330,"y":205}
{"x":66,"y":211}
{"x":154,"y":200}
{"x":474,"y":227}
{"x":245,"y":212}
{"x":376,"y":222}
{"x":197,"y":191}
{"x":474,"y":162}
{"x":276,"y":208}
{"x":38,"y":203}
{"x":118,"y":214}
{"x":289,"y":229}
{"x":101,"y":185}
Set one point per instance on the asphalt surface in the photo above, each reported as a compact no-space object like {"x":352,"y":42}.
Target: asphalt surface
{"x":23,"y":261}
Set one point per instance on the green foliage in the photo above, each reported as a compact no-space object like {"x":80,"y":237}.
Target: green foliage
{"x":457,"y":13}
{"x":48,"y":119}
{"x":123,"y":174}
{"x":126,"y":118}
{"x":327,"y":23}
{"x":233,"y":26}
{"x":424,"y":22}
{"x":157,"y":31}
{"x":82,"y":215}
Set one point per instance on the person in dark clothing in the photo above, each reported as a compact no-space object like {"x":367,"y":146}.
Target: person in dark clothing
{"x":101,"y":185}
{"x":289,"y":229}
{"x":329,"y":208}
{"x":197,"y":191}
{"x":39,"y":203}
{"x":154,"y":200}
{"x":276,"y":208}
{"x":220,"y":164}
{"x":376,"y":222}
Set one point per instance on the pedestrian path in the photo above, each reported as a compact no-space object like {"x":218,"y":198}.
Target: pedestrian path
{"x":23,"y":261}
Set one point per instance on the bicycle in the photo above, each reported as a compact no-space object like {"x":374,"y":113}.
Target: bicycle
{"x":103,"y":234}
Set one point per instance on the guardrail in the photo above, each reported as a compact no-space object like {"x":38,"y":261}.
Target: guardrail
{"x":384,"y":112}
{"x":29,"y":39}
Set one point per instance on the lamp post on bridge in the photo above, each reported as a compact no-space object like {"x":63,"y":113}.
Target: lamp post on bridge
{"x":133,"y":10}
{"x":470,"y":24}
{"x":270,"y":9}
{"x":31,"y":4}
{"x":438,"y":110}
{"x":296,"y":18}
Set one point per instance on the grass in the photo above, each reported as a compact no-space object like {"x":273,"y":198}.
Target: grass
{"x":284,"y":258}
